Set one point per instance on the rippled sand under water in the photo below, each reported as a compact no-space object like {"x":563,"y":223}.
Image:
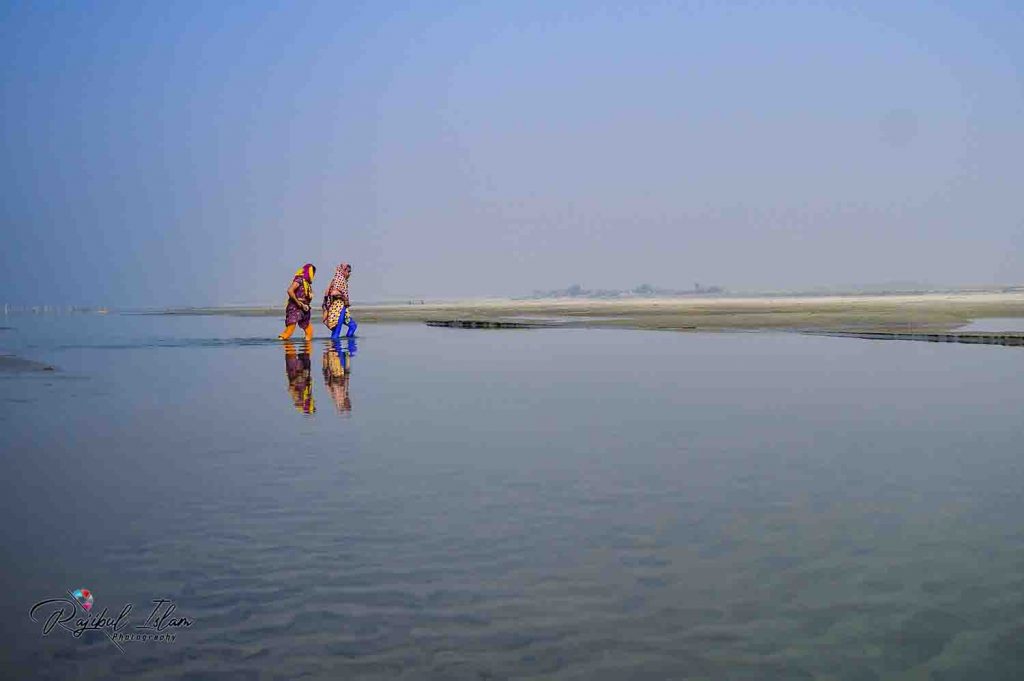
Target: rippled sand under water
{"x":571,"y":504}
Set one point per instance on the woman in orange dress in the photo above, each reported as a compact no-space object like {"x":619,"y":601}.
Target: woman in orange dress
{"x":300,"y":293}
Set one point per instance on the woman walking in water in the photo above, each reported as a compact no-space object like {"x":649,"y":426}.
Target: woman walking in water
{"x":336,"y":303}
{"x":300,"y":293}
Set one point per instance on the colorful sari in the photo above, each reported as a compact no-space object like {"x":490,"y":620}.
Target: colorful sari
{"x":336,"y":299}
{"x":293,"y":314}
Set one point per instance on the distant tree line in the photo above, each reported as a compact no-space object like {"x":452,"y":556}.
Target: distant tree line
{"x":8,"y":308}
{"x":641,"y":291}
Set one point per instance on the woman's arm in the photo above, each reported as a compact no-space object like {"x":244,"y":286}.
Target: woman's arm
{"x":291,"y":295}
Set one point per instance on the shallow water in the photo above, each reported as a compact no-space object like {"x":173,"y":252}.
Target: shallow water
{"x":557,"y":503}
{"x":994,"y":324}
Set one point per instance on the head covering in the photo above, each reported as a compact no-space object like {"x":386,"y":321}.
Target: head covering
{"x":339,"y":283}
{"x":306,"y":273}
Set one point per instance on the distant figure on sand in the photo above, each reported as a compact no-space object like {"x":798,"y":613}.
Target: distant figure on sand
{"x":336,"y":303}
{"x":300,"y":293}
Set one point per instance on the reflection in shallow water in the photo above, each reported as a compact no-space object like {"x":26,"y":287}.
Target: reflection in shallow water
{"x":805,"y":508}
{"x":300,"y":381}
{"x":337,"y":361}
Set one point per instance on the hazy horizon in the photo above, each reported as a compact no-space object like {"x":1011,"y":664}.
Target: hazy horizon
{"x":197,"y":155}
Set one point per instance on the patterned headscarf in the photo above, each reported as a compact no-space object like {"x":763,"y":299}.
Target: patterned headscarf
{"x":306,"y":272}
{"x":339,"y":284}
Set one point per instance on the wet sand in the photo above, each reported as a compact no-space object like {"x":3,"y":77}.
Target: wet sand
{"x":13,"y":364}
{"x":894,"y":313}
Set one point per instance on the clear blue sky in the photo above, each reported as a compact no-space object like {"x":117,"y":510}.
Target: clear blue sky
{"x":198,"y":153}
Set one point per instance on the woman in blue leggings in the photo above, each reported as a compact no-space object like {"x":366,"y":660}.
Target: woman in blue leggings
{"x":336,"y":304}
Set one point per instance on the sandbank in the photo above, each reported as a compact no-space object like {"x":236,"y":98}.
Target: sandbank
{"x":13,"y":364}
{"x":896,"y":313}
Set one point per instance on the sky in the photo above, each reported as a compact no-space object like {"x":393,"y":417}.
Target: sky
{"x":165,"y":154}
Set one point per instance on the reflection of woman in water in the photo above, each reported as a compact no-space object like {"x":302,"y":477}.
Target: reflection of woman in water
{"x":300,"y":379}
{"x":336,"y":303}
{"x":337,"y":370}
{"x":300,"y":293}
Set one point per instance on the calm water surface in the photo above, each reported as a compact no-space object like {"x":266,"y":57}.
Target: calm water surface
{"x":995,"y":324}
{"x":548,"y":504}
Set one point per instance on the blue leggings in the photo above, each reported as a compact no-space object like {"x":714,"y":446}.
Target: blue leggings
{"x":344,"y":320}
